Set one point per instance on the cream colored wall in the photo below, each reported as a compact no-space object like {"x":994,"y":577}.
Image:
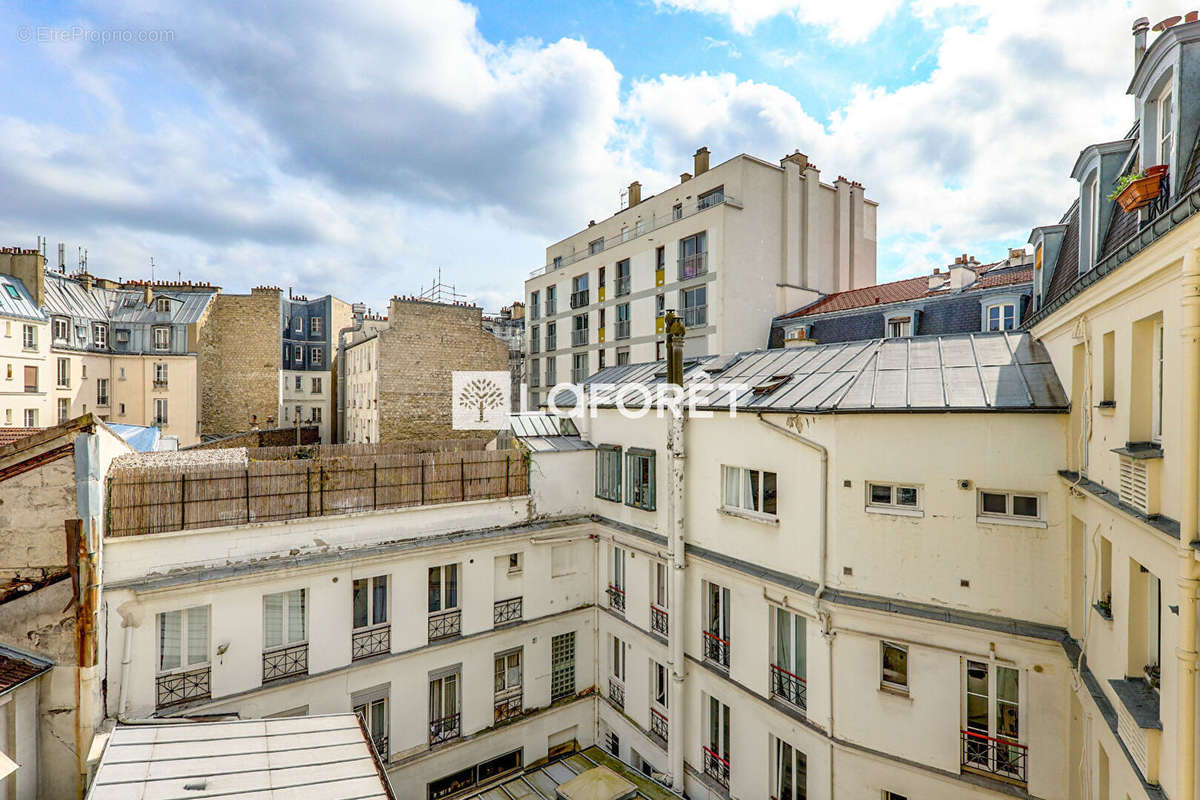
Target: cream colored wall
{"x":14,"y":400}
{"x":134,"y":388}
{"x":362,"y":391}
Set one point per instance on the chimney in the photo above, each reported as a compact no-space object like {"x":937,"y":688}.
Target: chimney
{"x":961,"y":274}
{"x":62,"y":256}
{"x":635,"y":194}
{"x":27,"y":266}
{"x":85,"y":280}
{"x":1140,"y":26}
{"x":684,"y":177}
{"x":797,"y":158}
{"x":700,"y":161}
{"x":937,"y":279}
{"x":148,"y":295}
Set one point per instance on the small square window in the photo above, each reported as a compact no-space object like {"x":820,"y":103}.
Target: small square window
{"x":881,"y":494}
{"x":906,"y":496}
{"x":1025,"y":506}
{"x":1017,"y":508}
{"x":895,"y":666}
{"x":995,"y":503}
{"x":894,"y":498}
{"x":514,"y":562}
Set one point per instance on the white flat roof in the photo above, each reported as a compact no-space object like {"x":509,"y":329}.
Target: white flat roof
{"x":264,"y":759}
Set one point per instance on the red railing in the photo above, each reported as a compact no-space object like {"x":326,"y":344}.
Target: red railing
{"x":616,"y":598}
{"x":716,"y":767}
{"x":789,"y":686}
{"x":716,"y":649}
{"x":659,"y":620}
{"x":1001,"y":757}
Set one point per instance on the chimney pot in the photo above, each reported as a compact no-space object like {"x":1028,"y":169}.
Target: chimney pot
{"x":700,"y":161}
{"x":1140,"y":26}
{"x":684,"y":177}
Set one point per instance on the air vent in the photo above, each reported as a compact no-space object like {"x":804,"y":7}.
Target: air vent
{"x":1135,"y":484}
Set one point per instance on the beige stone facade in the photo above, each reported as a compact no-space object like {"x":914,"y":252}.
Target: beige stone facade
{"x":398,"y":378}
{"x":239,"y":361}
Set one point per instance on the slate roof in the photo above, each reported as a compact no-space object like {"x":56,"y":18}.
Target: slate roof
{"x":990,"y":276}
{"x":1006,"y":371}
{"x":20,"y":307}
{"x":16,"y":668}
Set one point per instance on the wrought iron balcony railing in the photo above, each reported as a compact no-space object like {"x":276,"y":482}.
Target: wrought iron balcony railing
{"x":716,"y":649}
{"x":616,"y":599}
{"x":695,"y":316}
{"x":285,"y":662}
{"x":580,"y":299}
{"x":622,"y":286}
{"x":789,"y":687}
{"x":616,"y":692}
{"x":716,"y":768}
{"x":658,"y":728}
{"x":659,"y":622}
{"x":622,"y":329}
{"x":367,"y":642}
{"x":445,"y":624}
{"x":381,"y":745}
{"x":181,"y":687}
{"x":508,"y":704}
{"x":444,"y":729}
{"x":693,"y":266}
{"x":1003,"y":758}
{"x":506,"y":611}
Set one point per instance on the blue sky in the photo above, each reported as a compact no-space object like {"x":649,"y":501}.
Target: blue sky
{"x":357,"y":147}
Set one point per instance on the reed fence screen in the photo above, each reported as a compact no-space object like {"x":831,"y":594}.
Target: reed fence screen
{"x":146,"y":500}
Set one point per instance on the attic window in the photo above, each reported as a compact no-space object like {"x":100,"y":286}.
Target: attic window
{"x":771,"y":384}
{"x":162,"y":304}
{"x":898,"y":327}
{"x":12,"y":292}
{"x":130,"y":301}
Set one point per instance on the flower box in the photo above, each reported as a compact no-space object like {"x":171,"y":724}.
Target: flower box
{"x":1141,"y":192}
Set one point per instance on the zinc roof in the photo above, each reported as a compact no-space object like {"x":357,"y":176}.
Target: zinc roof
{"x":1004,"y":371}
{"x":68,"y":298}
{"x":125,"y":305}
{"x":21,"y":306}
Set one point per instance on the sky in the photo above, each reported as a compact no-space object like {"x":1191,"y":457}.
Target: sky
{"x":359,"y":147}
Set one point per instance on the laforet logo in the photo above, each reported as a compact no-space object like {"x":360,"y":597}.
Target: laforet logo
{"x":480,"y":400}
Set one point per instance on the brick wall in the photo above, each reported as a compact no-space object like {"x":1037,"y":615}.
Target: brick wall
{"x":239,"y":361}
{"x":271,"y":437}
{"x":423,"y":345}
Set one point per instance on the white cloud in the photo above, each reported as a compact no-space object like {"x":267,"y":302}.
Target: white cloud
{"x":846,"y":22}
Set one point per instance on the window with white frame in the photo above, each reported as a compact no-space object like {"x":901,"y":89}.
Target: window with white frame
{"x":316,"y":414}
{"x":616,"y":660}
{"x":1001,"y":317}
{"x":183,"y":638}
{"x":508,"y":680}
{"x":445,"y":705}
{"x":616,"y":578}
{"x":64,"y":410}
{"x":608,"y":472}
{"x":717,"y":741}
{"x":314,"y":326}
{"x":789,"y":772}
{"x":100,"y":335}
{"x":659,"y":585}
{"x":160,"y":373}
{"x":1166,"y":125}
{"x":893,"y":497}
{"x":750,"y":490}
{"x":660,"y":683}
{"x":64,"y":373}
{"x":315,"y":356}
{"x":160,"y":411}
{"x":298,"y":354}
{"x":102,"y":391}
{"x":284,"y":619}
{"x":715,"y":635}
{"x":29,"y":337}
{"x":894,"y":666}
{"x":1156,"y":402}
{"x":62,"y":330}
{"x":1010,"y":505}
{"x":31,"y":418}
{"x":162,"y":305}
{"x":991,"y":711}
{"x":443,"y":588}
{"x":372,"y":708}
{"x":898,"y":327}
{"x":789,"y":657}
{"x":162,"y":338}
{"x":370,"y":601}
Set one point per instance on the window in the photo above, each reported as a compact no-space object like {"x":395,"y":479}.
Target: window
{"x":894,"y":673}
{"x":695,"y":307}
{"x":29,"y":337}
{"x":102,"y":391}
{"x":443,"y":588}
{"x":660,"y":585}
{"x":160,"y":373}
{"x":160,"y":411}
{"x":716,"y":752}
{"x":622,"y":356}
{"x":1108,"y":347}
{"x":579,"y":367}
{"x":316,"y":414}
{"x":31,"y":379}
{"x":991,"y":719}
{"x":31,"y":418}
{"x":122,"y":336}
{"x":716,"y":624}
{"x":64,"y":373}
{"x":1166,"y":123}
{"x":789,"y":772}
{"x":608,"y":472}
{"x":315,"y":356}
{"x":551,"y":336}
{"x":1001,"y":317}
{"x":595,"y":246}
{"x":12,"y":292}
{"x":551,"y":300}
{"x":893,"y":795}
{"x":514,"y":563}
{"x":162,"y":338}
{"x":562,"y":666}
{"x":121,"y":408}
{"x":535,"y":374}
{"x":750,"y":490}
{"x":893,"y":497}
{"x":535,"y":309}
{"x":551,"y":370}
{"x":162,"y":305}
{"x":298,"y":354}
{"x":9,"y":371}
{"x":623,"y":321}
{"x":677,"y":211}
{"x":658,"y":350}
{"x":299,"y":326}
{"x":623,"y":280}
{"x":1093,"y":189}
{"x":284,"y":619}
{"x":639,"y":485}
{"x":508,"y":681}
{"x":660,"y":683}
{"x":316,"y":326}
{"x":789,"y":657}
{"x":579,"y":330}
{"x":1009,"y":505}
{"x":692,"y":252}
{"x":444,"y":707}
{"x":616,"y":579}
{"x":372,"y":709}
{"x":120,"y":373}
{"x":62,"y":330}
{"x":64,"y":410}
{"x":899,"y":327}
{"x":183,"y":638}
{"x":299,"y":413}
{"x":600,"y":277}
{"x":603,"y":357}
{"x":316,"y":385}
{"x":370,"y":601}
{"x":1156,"y":401}
{"x":535,"y":341}
{"x":711,"y":198}
{"x":558,"y":262}
{"x":299,"y":384}
{"x":100,"y":335}
{"x":660,"y":305}
{"x":616,"y":660}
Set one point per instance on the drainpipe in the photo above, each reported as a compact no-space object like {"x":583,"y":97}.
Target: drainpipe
{"x":90,"y":509}
{"x":823,"y":614}
{"x":1190,"y":468}
{"x":359,"y":310}
{"x":126,"y":660}
{"x":675,"y":523}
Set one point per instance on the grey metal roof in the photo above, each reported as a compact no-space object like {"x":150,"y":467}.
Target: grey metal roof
{"x":543,"y":433}
{"x":125,"y":305}
{"x":319,"y":756}
{"x":66,"y":297}
{"x":21,"y":306}
{"x":960,"y":372}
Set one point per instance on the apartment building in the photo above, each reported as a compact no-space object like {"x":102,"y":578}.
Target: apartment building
{"x":729,"y":248}
{"x":509,"y":327}
{"x":25,"y":398}
{"x":309,"y":368}
{"x":398,"y":372}
{"x":1115,"y":302}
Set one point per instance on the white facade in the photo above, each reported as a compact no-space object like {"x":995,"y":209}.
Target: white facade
{"x":306,"y":397}
{"x":361,"y":393}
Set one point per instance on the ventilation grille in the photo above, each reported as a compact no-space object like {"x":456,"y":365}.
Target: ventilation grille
{"x":1135,"y":484}
{"x":1133,"y":737}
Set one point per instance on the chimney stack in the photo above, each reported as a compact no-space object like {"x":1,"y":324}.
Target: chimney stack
{"x":1140,"y":26}
{"x":62,"y":256}
{"x":700,"y":161}
{"x":684,"y":177}
{"x":635,"y":194}
{"x":148,"y":295}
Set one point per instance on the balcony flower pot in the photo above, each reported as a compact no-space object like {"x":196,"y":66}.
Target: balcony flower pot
{"x":1139,"y":190}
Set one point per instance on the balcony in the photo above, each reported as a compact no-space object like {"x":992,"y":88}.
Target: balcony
{"x":658,"y":728}
{"x":507,"y":611}
{"x":285,"y":662}
{"x":160,"y":384}
{"x":579,"y":299}
{"x":693,"y":266}
{"x":616,"y":599}
{"x":381,"y":745}
{"x":508,"y":704}
{"x":535,"y":346}
{"x":789,"y":687}
{"x":551,"y":308}
{"x":551,"y":343}
{"x":445,"y":625}
{"x":716,"y":649}
{"x":579,"y":337}
{"x":444,"y":729}
{"x":367,"y":642}
{"x":622,"y":286}
{"x":716,"y":768}
{"x":1000,"y":758}
{"x":658,"y":620}
{"x":695,"y":316}
{"x":182,"y":687}
{"x":622,"y":329}
{"x":616,"y":693}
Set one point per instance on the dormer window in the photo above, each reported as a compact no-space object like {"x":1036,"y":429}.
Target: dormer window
{"x":1001,"y":317}
{"x":1091,"y":192}
{"x":1166,"y":121}
{"x":898,"y":327}
{"x":162,"y":305}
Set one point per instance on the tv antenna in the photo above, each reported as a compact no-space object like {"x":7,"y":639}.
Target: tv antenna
{"x":441,"y":292}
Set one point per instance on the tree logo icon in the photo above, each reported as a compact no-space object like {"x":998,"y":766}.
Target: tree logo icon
{"x":480,"y":400}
